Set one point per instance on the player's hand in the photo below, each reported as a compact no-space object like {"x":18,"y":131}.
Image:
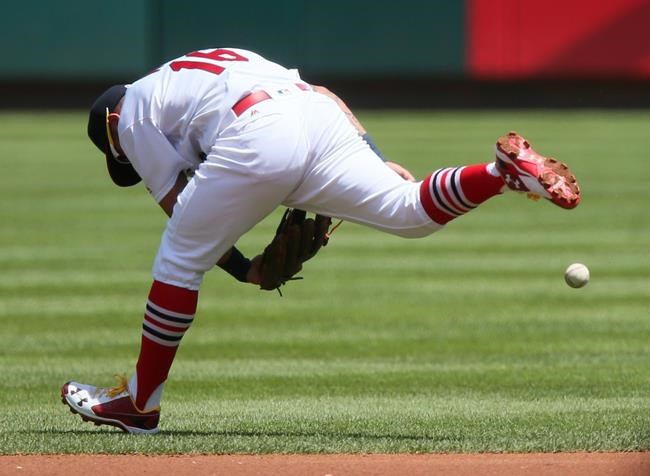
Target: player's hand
{"x":401,"y":171}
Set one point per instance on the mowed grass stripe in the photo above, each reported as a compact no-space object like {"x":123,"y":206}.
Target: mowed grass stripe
{"x":357,"y":424}
{"x":313,"y":376}
{"x":464,"y":341}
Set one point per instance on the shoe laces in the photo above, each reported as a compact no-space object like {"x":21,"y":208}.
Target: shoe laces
{"x":121,"y":387}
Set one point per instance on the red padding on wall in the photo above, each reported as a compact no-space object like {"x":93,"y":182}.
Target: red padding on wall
{"x":515,"y":39}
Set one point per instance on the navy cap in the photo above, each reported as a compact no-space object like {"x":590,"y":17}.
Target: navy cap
{"x":120,"y":170}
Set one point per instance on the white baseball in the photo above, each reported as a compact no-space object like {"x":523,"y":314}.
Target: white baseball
{"x":576,"y":275}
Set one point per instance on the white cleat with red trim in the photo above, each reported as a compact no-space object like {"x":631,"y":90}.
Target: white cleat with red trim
{"x":524,"y":170}
{"x":109,"y":406}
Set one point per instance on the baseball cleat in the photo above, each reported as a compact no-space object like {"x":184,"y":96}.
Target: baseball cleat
{"x":109,"y":406}
{"x":524,"y":170}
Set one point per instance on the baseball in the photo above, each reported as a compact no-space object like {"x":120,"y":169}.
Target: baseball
{"x":576,"y":275}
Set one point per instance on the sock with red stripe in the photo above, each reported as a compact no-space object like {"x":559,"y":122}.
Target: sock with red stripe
{"x":169,"y":314}
{"x":449,"y":193}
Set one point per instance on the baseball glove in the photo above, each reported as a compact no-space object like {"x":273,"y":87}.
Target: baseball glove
{"x":296,"y":240}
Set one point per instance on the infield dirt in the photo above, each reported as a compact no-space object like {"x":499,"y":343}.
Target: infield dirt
{"x":547,"y":464}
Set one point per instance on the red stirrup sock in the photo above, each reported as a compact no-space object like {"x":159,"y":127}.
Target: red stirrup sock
{"x":168,"y":315}
{"x":449,"y":193}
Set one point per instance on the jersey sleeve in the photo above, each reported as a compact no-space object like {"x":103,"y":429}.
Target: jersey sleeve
{"x":152,"y":156}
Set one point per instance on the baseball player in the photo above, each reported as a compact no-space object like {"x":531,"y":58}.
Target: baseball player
{"x":222,"y":137}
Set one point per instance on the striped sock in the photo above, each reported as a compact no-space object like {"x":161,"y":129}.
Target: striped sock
{"x":168,"y":315}
{"x":449,"y":193}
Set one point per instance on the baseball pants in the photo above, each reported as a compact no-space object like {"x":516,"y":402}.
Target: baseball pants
{"x":297,"y":150}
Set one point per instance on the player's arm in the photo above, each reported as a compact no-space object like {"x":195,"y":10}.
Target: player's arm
{"x":401,"y":171}
{"x":344,"y":107}
{"x":168,"y":201}
{"x":233,"y":261}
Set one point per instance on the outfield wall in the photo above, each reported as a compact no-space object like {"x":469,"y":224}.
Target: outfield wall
{"x":498,"y":39}
{"x":411,"y":53}
{"x":523,"y":39}
{"x":90,"y":39}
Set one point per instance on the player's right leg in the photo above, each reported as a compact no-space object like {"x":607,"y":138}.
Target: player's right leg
{"x":348,"y":181}
{"x":524,"y":170}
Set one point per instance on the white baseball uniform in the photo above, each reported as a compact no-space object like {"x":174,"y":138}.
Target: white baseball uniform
{"x":248,"y":154}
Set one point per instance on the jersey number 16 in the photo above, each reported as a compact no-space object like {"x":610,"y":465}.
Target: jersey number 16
{"x":214,"y":55}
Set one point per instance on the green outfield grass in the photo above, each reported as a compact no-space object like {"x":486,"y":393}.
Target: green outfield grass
{"x":464,"y":341}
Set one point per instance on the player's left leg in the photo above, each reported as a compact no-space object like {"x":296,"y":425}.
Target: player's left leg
{"x":134,"y":405}
{"x":252,"y":167}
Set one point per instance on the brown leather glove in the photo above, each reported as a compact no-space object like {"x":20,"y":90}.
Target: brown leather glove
{"x":296,"y":240}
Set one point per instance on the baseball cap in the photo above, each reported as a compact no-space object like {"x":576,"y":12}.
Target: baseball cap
{"x":119,"y":168}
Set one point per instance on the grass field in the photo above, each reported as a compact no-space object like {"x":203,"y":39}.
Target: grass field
{"x":466,"y":341}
